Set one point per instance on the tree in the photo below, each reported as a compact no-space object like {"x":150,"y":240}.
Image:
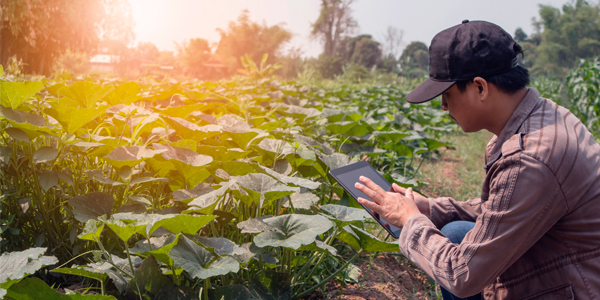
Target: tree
{"x":361,"y":50}
{"x":195,"y":54}
{"x":520,"y":35}
{"x":415,"y":60}
{"x":247,"y":37}
{"x":392,"y":41}
{"x":334,"y":24}
{"x":146,"y":51}
{"x":37,"y":31}
{"x":568,"y":35}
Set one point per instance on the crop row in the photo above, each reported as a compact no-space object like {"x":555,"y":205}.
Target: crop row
{"x":182,"y":190}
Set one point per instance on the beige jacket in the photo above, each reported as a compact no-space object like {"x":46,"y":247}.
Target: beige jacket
{"x":537,"y":230}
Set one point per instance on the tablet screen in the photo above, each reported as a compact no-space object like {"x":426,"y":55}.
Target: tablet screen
{"x":347,"y":176}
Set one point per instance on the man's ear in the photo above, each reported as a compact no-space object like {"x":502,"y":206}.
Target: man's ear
{"x":482,"y":87}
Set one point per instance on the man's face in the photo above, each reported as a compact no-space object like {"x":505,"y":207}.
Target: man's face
{"x":464,"y":108}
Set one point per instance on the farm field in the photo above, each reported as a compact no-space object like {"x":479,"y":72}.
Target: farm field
{"x":195,"y":189}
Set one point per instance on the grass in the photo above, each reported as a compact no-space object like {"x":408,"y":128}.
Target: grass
{"x":456,"y":173}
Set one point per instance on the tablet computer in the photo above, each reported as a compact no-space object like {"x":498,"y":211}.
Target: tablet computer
{"x":347,"y":176}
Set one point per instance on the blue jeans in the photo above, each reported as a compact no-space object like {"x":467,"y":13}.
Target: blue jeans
{"x":456,"y":231}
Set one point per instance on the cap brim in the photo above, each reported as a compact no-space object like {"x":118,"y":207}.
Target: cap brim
{"x":428,"y":90}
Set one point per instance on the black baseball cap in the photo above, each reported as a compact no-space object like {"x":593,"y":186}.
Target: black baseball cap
{"x":463,"y":52}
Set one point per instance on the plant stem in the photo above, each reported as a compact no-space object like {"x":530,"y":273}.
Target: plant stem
{"x":324,"y":281}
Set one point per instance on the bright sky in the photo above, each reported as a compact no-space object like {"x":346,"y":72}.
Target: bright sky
{"x":164,"y":22}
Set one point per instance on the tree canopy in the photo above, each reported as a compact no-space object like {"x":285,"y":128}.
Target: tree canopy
{"x":247,"y":37}
{"x":334,"y":24}
{"x":37,"y":31}
{"x":415,"y":60}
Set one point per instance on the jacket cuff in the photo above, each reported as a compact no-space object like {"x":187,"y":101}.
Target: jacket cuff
{"x":414,"y":223}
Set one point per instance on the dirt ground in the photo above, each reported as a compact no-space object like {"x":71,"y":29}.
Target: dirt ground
{"x":388,"y":277}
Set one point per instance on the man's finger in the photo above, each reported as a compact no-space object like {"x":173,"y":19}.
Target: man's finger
{"x":373,"y":186}
{"x":398,"y":189}
{"x":370,"y":205}
{"x":369,"y":192}
{"x":409,"y":194}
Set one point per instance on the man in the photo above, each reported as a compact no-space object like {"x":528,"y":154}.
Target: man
{"x":536,"y":230}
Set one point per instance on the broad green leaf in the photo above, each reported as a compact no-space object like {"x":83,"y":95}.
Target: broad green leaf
{"x":125,"y":93}
{"x":17,"y":134}
{"x":91,"y":231}
{"x":238,"y":168}
{"x":190,"y":164}
{"x":74,"y":118}
{"x":44,"y":154}
{"x":191,"y":131}
{"x":180,"y":223}
{"x":14,"y":94}
{"x":391,"y":136}
{"x":5,"y":154}
{"x":34,"y":289}
{"x":222,"y":154}
{"x":218,"y":245}
{"x":302,"y":199}
{"x":92,"y":205}
{"x":129,"y":156}
{"x":277,"y":147}
{"x":149,"y":279}
{"x":160,"y":247}
{"x":255,"y":226}
{"x":32,"y":124}
{"x":341,"y":127}
{"x":344,"y":215}
{"x":210,"y":199}
{"x":48,"y":179}
{"x":80,"y":271}
{"x":243,"y":137}
{"x":319,"y":246}
{"x":18,"y":264}
{"x":243,"y":253}
{"x":85,"y":93}
{"x":262,"y":188}
{"x":186,"y":195}
{"x":125,"y":230}
{"x":309,"y":184}
{"x":434,"y":144}
{"x":294,"y":230}
{"x":360,"y":239}
{"x":181,"y":112}
{"x":335,"y":160}
{"x":198,"y":262}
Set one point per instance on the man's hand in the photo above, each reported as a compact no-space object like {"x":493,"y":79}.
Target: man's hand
{"x":422,"y":202}
{"x":392,"y":207}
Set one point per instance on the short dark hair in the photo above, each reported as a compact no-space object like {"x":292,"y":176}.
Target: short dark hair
{"x":509,"y":82}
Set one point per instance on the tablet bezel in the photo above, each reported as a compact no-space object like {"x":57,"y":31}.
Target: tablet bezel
{"x":361,"y":164}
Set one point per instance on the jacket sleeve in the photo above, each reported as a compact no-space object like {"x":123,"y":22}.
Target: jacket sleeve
{"x":445,"y":210}
{"x":524,"y":202}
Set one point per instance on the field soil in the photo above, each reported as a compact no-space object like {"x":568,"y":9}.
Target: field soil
{"x":385,"y":277}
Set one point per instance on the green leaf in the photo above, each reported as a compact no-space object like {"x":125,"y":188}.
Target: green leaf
{"x":149,"y":279}
{"x":92,"y":205}
{"x":274,"y":146}
{"x":85,"y":93}
{"x":190,"y":164}
{"x":18,"y":264}
{"x":80,"y":271}
{"x":293,"y":230}
{"x":48,"y":179}
{"x":14,"y":94}
{"x":180,"y":223}
{"x":303,"y":199}
{"x":198,"y":262}
{"x":309,"y":184}
{"x":17,"y":134}
{"x":125,"y":93}
{"x":91,"y":231}
{"x":129,"y":156}
{"x":74,"y":118}
{"x":341,"y":127}
{"x":44,"y":154}
{"x":222,"y":154}
{"x":262,"y":188}
{"x":335,"y":160}
{"x":344,"y":215}
{"x":160,"y":247}
{"x":124,"y":230}
{"x":191,"y":131}
{"x":318,"y":246}
{"x":206,"y":203}
{"x":360,"y":239}
{"x":238,"y":168}
{"x":34,"y":289}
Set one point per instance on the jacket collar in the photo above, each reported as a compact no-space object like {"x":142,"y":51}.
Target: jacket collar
{"x":513,"y":125}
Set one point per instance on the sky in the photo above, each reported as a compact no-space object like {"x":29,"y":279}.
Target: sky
{"x":167,"y":22}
